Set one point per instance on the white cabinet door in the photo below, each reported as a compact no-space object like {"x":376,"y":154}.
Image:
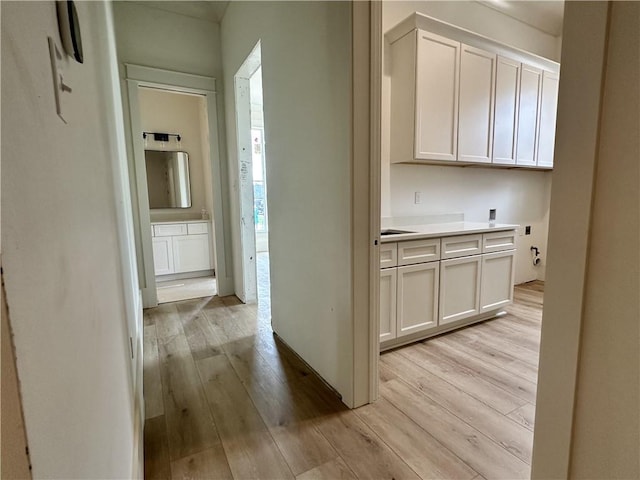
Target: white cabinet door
{"x":388,"y":282}
{"x":529,"y":105}
{"x":191,"y":253}
{"x":417,"y":298}
{"x":437,"y":82}
{"x":506,"y":111}
{"x":548,"y":108}
{"x":163,"y":255}
{"x":459,"y":288}
{"x":496,"y":289}
{"x":477,"y":86}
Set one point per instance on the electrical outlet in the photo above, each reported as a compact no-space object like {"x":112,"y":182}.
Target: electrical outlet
{"x":417,"y":198}
{"x":527,"y":230}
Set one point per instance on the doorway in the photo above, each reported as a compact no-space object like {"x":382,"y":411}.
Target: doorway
{"x":177,"y":249}
{"x":253,"y":182}
{"x":179,"y":187}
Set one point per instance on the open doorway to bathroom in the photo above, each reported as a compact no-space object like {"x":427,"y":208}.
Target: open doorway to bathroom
{"x":253,"y":182}
{"x":176,"y":145}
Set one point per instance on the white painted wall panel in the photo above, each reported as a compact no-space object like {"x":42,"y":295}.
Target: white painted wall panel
{"x":306,"y":66}
{"x":62,"y":240}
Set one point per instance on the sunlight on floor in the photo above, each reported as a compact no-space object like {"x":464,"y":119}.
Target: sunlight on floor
{"x":185,"y":289}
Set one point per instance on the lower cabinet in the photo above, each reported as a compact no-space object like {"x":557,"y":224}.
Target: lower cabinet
{"x":497,"y":280}
{"x":421,"y":299}
{"x":417,"y":298}
{"x":388,"y":282}
{"x":181,"y":248}
{"x":459,"y":288}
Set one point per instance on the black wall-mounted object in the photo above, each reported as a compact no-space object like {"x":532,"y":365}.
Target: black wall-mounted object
{"x":69,"y":26}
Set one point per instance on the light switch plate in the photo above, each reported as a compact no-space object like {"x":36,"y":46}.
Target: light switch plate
{"x":56,"y":72}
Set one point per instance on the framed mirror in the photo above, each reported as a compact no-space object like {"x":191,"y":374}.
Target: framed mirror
{"x":168,"y":179}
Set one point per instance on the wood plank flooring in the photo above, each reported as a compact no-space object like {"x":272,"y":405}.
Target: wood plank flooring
{"x":225,"y":399}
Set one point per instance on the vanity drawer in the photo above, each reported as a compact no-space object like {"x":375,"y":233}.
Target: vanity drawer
{"x":461,"y":246}
{"x":197,"y":228}
{"x":388,"y":255}
{"x":418,"y":251}
{"x":169,"y":229}
{"x":498,"y":241}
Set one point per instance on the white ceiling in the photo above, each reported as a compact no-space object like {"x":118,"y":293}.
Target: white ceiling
{"x":544,"y":15}
{"x":210,"y":11}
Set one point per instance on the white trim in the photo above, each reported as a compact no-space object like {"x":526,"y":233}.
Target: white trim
{"x":242,"y":109}
{"x":584,"y":52}
{"x":168,"y":78}
{"x":433,"y":25}
{"x":365,"y":219}
{"x":140,"y":76}
{"x":374,"y":194}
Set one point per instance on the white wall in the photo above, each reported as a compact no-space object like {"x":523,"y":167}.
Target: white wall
{"x":163,"y":111}
{"x":587,"y":413}
{"x":520,"y":197}
{"x":156,"y":38}
{"x":305,"y":48}
{"x":62,"y":241}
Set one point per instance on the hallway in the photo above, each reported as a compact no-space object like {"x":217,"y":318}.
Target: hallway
{"x":225,"y":399}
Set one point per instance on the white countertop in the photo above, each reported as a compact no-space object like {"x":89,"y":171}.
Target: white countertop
{"x":171,"y":222}
{"x":444,"y":230}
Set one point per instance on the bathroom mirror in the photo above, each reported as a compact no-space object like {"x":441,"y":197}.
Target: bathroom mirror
{"x":168,"y":179}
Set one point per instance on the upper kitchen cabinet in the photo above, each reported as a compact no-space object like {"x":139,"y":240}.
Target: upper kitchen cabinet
{"x":528,"y":117}
{"x":548,"y":108}
{"x":425,"y":88}
{"x":475,"y":117}
{"x":505,"y":129}
{"x":458,"y":98}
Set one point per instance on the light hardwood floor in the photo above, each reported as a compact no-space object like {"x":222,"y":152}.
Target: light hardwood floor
{"x":225,"y":399}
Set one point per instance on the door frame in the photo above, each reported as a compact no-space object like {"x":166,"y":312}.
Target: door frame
{"x":365,"y":197}
{"x":140,"y":76}
{"x":248,"y":293}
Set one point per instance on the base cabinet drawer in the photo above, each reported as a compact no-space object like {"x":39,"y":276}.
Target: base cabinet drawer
{"x":417,"y":298}
{"x":388,"y":255}
{"x":418,"y":251}
{"x":167,"y":230}
{"x":459,"y":288}
{"x":461,"y":246}
{"x":496,"y":290}
{"x":498,"y":241}
{"x":388,"y":282}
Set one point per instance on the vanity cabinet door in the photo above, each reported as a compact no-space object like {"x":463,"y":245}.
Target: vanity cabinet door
{"x":163,"y":255}
{"x":191,"y":253}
